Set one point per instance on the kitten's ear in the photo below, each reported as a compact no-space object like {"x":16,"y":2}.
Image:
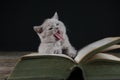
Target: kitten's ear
{"x":38,"y":29}
{"x":55,"y":16}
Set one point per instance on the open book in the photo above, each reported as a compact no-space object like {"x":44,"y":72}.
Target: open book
{"x":92,"y":59}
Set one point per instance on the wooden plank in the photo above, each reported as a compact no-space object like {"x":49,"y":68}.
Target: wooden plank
{"x":8,"y":61}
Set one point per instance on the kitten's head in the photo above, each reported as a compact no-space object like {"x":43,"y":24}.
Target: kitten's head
{"x":51,"y":27}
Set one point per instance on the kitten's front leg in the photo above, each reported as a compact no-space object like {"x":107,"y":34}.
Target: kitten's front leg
{"x":69,"y":50}
{"x":59,"y":51}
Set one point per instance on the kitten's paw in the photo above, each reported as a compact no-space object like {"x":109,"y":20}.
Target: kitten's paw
{"x":72,"y":55}
{"x":57,"y":52}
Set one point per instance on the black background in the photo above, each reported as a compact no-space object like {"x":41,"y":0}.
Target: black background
{"x":86,"y":21}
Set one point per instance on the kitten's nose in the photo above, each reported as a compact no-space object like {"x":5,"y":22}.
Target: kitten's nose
{"x":56,"y":28}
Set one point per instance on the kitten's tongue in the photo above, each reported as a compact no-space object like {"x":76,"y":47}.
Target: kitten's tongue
{"x":58,"y":35}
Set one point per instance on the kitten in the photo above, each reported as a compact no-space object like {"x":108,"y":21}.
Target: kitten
{"x":54,"y":39}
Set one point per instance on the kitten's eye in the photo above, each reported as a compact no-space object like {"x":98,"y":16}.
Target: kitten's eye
{"x":57,"y":24}
{"x":50,"y":28}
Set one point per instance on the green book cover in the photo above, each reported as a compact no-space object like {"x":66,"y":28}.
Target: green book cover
{"x":94,"y":64}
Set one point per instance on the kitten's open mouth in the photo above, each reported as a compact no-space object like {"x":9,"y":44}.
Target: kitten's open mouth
{"x":58,"y":35}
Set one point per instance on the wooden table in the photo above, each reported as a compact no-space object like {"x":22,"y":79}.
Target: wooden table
{"x":8,"y":61}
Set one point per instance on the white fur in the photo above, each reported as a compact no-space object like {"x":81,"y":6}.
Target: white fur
{"x":49,"y":43}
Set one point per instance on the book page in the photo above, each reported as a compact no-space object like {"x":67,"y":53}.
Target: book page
{"x":111,"y":48}
{"x":57,"y":55}
{"x":95,"y":47}
{"x":105,"y":56}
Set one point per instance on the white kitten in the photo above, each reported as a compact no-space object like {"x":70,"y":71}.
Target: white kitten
{"x":54,"y":39}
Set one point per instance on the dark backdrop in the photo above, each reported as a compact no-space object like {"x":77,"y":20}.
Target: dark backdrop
{"x":86,"y":21}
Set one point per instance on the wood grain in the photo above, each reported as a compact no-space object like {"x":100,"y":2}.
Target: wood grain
{"x":8,"y":61}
